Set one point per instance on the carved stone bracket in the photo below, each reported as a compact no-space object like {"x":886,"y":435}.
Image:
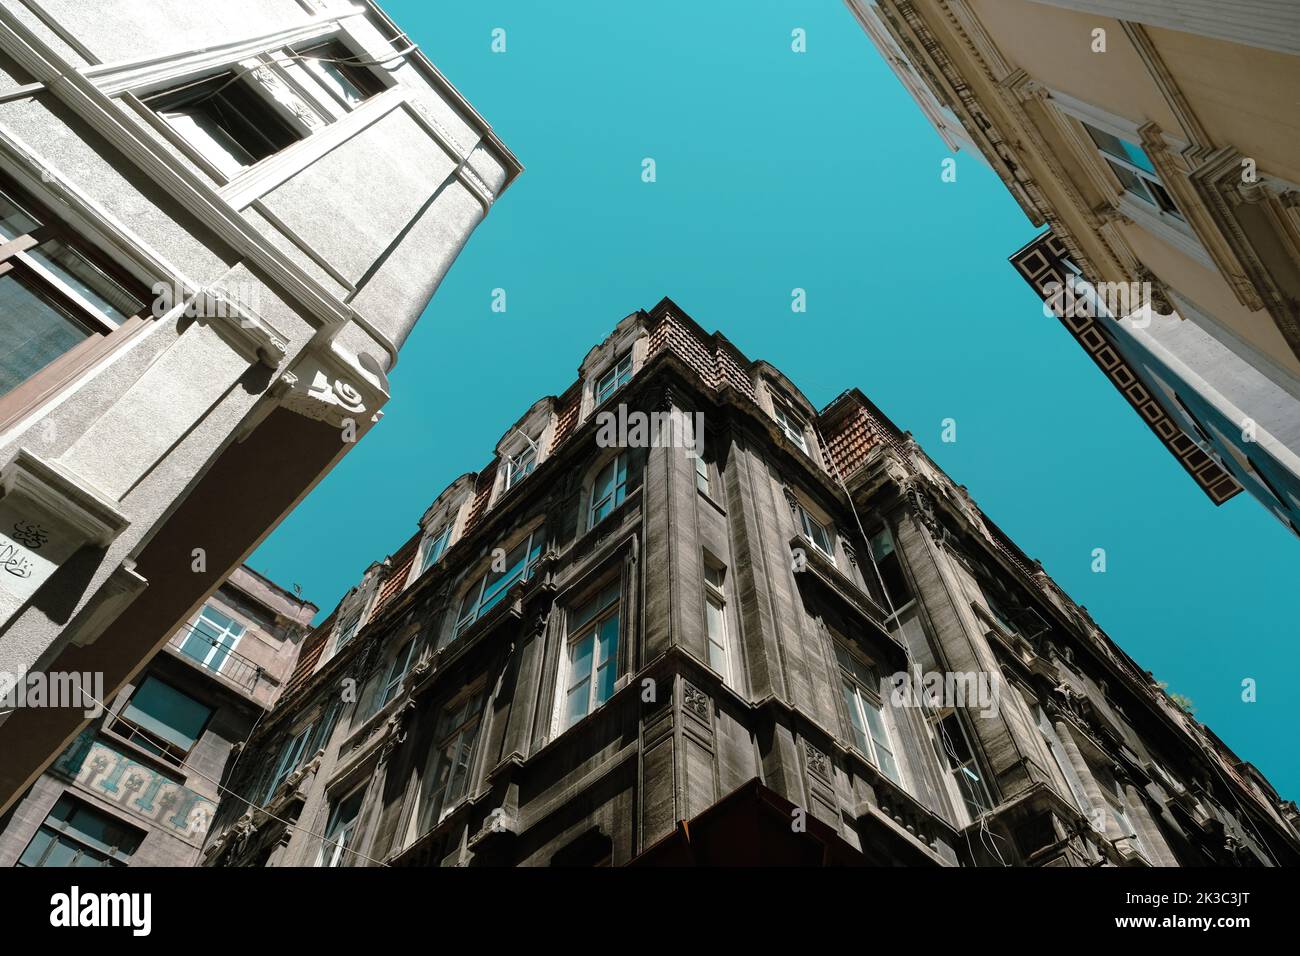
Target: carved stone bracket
{"x":695,"y":701}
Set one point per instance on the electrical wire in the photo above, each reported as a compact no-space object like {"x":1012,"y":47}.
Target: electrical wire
{"x":893,"y":615}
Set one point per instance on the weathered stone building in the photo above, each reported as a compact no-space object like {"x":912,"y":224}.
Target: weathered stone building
{"x":218,"y":224}
{"x":1158,"y":141}
{"x":603,"y":634}
{"x":139,"y":786}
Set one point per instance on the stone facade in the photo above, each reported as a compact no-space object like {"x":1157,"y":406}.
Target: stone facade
{"x":604,"y":648}
{"x":221,"y":222}
{"x":1157,"y":141}
{"x":231,"y":661}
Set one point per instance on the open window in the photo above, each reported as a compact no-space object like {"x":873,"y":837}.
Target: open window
{"x":346,"y":76}
{"x":225,"y":119}
{"x":162,"y":720}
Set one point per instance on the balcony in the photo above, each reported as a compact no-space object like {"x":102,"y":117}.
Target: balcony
{"x":202,"y":650}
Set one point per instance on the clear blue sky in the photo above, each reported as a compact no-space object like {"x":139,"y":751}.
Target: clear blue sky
{"x":779,"y":170}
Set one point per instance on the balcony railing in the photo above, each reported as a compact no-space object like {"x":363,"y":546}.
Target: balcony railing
{"x":217,"y":657}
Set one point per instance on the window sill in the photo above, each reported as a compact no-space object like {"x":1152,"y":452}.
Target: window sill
{"x":843,"y":587}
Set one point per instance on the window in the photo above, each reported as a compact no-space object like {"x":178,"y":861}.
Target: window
{"x":817,"y":533}
{"x":955,"y":744}
{"x":341,"y":73}
{"x":618,"y":375}
{"x":521,"y":466}
{"x":589,"y":666}
{"x":702,"y":481}
{"x":866,"y":717}
{"x":162,"y":720}
{"x":998,"y":610}
{"x":226,"y":120}
{"x":447,"y":772}
{"x":790,"y":423}
{"x":291,"y":758}
{"x":75,"y":834}
{"x":341,"y":833}
{"x":608,"y":490}
{"x":53,"y":297}
{"x":1110,"y":790}
{"x":489,"y":590}
{"x":1134,"y":169}
{"x":715,"y":618}
{"x":211,"y":638}
{"x":347,"y":628}
{"x":890,"y":568}
{"x":397,"y":671}
{"x":434,"y":546}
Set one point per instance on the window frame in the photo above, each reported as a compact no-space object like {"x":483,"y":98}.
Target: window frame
{"x":532,"y":555}
{"x":860,"y":699}
{"x":617,"y":377}
{"x":807,"y":518}
{"x":432,"y":542}
{"x":715,"y":598}
{"x":164,"y":750}
{"x":292,"y":756}
{"x":958,"y":768}
{"x":60,"y":832}
{"x":20,"y":254}
{"x":214,"y":645}
{"x":606,"y":602}
{"x":784,"y":414}
{"x":169,"y":101}
{"x":1158,"y":198}
{"x":617,"y":493}
{"x":352,"y":827}
{"x":464,"y":736}
{"x":514,"y":476}
{"x":396,"y":676}
{"x":311,"y":64}
{"x":877,"y":559}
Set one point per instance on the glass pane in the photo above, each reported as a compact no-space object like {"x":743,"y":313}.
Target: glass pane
{"x":1131,"y":182}
{"x":713,"y":618}
{"x":61,"y":853}
{"x":87,"y":280}
{"x":576,"y":706}
{"x":717,"y":657}
{"x":608,"y":640}
{"x":34,"y":329}
{"x":336,"y":80}
{"x":206,"y":135}
{"x":580,"y":659}
{"x":14,"y":220}
{"x":879,"y":736}
{"x":166,"y":712}
{"x":855,"y":719}
{"x":605,"y":682}
{"x":32,"y":855}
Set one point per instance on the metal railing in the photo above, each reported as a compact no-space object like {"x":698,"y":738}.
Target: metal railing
{"x":216,"y":657}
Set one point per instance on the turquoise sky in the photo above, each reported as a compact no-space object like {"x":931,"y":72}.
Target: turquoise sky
{"x":779,"y":170}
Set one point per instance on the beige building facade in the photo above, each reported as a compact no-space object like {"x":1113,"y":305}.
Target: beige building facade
{"x":1159,"y":142}
{"x":218,"y":224}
